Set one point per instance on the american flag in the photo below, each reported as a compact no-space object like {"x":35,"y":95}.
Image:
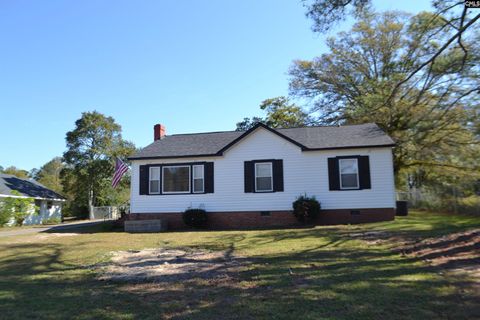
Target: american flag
{"x":120,"y":169}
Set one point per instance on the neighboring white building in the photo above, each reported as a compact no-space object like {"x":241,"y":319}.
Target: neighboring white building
{"x":49,"y":202}
{"x":250,"y":179}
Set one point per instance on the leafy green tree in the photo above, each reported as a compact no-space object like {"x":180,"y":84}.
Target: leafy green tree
{"x":430,"y":115}
{"x":326,"y":13}
{"x":33,"y":173}
{"x":49,"y":174}
{"x":92,"y":147}
{"x":448,"y":14}
{"x":280,"y":113}
{"x":248,"y":123}
{"x":17,"y":208}
{"x":5,"y":212}
{"x":19,"y":173}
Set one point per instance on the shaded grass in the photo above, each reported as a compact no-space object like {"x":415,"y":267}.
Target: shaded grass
{"x":315,"y":273}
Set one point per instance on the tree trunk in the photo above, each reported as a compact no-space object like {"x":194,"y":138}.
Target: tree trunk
{"x":90,"y":204}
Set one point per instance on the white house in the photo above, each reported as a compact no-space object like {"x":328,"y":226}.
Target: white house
{"x":49,"y":202}
{"x":251,"y":178}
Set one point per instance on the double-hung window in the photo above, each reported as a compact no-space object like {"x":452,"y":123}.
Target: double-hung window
{"x":263,"y":177}
{"x":176,"y":179}
{"x":198,"y":179}
{"x":349,"y":173}
{"x":154,"y":181}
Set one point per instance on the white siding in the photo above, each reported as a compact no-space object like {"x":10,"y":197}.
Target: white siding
{"x":304,"y":172}
{"x":55,"y":212}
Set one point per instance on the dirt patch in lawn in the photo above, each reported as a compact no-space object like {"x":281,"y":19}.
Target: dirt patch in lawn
{"x":44,"y":236}
{"x":457,"y":251}
{"x":170,"y":265}
{"x":36,"y":238}
{"x":376,"y":237}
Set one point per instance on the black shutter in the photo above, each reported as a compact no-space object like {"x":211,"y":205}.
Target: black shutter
{"x":143,"y":183}
{"x":277,"y":175}
{"x":333,"y":174}
{"x":208,"y":177}
{"x":249,"y":176}
{"x":364,"y":172}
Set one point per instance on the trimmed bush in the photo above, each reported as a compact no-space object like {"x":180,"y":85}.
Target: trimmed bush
{"x":196,"y":218}
{"x":306,"y":208}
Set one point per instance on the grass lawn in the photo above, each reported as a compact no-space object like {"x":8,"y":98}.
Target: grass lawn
{"x":313,"y":273}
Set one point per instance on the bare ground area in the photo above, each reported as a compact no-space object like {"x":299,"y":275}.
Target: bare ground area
{"x":169,"y":265}
{"x":456,"y":252}
{"x":45,"y":236}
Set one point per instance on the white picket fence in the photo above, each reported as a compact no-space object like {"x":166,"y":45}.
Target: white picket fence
{"x":108,"y":212}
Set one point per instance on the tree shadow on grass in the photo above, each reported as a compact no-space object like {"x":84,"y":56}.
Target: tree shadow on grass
{"x":320,"y":282}
{"x":87,"y":228}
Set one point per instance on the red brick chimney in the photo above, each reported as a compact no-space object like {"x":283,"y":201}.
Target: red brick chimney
{"x":159,"y":131}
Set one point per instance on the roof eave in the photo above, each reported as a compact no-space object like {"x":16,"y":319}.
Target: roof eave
{"x":303,"y":149}
{"x":176,"y":157}
{"x":391,"y":145}
{"x":31,"y":197}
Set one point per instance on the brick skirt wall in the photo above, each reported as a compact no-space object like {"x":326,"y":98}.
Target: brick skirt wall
{"x":254,"y":219}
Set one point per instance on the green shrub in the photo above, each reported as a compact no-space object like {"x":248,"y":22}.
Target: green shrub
{"x":196,"y":218}
{"x":5,"y":212}
{"x":52,"y":221}
{"x":306,"y":208}
{"x":469,"y":205}
{"x":16,"y":208}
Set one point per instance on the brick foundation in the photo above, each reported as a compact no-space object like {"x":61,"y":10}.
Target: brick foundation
{"x":354,"y":216}
{"x":254,"y":219}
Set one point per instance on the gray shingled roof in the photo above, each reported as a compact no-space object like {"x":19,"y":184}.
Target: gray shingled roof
{"x":28,"y":188}
{"x":308,"y":138}
{"x":362,"y":135}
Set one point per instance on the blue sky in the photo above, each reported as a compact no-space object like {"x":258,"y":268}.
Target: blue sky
{"x":192,"y":65}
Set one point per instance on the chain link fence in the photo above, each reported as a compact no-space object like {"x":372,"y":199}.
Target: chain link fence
{"x":109,"y":212}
